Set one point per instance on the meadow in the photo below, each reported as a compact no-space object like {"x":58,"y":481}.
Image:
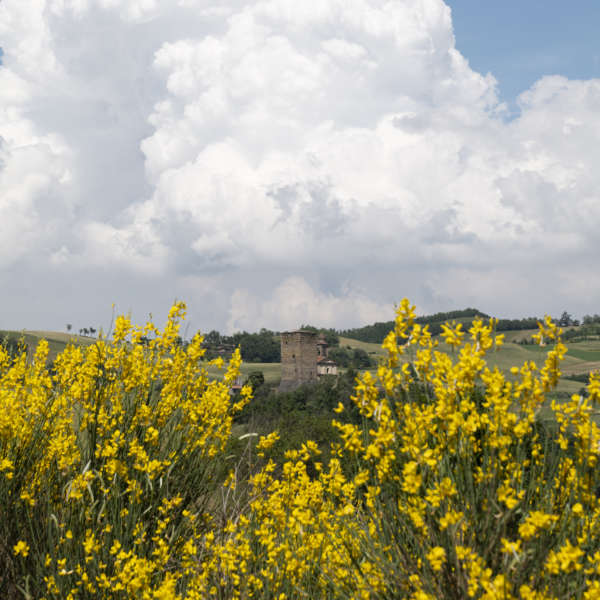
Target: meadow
{"x":124,"y":473}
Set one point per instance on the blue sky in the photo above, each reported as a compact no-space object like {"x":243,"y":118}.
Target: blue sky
{"x":519,"y":41}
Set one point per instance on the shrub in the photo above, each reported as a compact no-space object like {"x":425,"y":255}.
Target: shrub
{"x":108,"y":465}
{"x":444,"y":481}
{"x":452,"y":488}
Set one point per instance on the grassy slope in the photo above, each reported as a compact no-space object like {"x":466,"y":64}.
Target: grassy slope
{"x":271,"y":371}
{"x":374,"y":350}
{"x":582,"y":357}
{"x":57,"y":341}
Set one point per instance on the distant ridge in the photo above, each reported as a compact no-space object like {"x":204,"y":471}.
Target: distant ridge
{"x":376,"y":333}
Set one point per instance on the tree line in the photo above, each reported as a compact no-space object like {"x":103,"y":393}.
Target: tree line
{"x":261,"y":347}
{"x":265,"y":345}
{"x":376,"y":333}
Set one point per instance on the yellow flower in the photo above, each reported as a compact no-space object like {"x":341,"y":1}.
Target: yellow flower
{"x":453,"y":334}
{"x":411,"y":479}
{"x":535,"y":522}
{"x":21,"y":548}
{"x":509,"y":496}
{"x":509,"y":547}
{"x":566,"y":559}
{"x":436,"y":557}
{"x":265,"y":442}
{"x":7,"y":467}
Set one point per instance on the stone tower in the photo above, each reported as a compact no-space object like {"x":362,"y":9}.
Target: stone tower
{"x":298,"y":359}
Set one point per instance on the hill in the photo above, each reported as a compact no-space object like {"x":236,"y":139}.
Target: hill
{"x":583,"y":345}
{"x":57,"y":341}
{"x":376,"y":333}
{"x":581,"y":358}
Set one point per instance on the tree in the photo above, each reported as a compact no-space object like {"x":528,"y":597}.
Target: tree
{"x":589,"y":319}
{"x":213,"y":337}
{"x":361,"y":359}
{"x":69,"y":326}
{"x":341,"y":356}
{"x":255,"y":379}
{"x":565,"y":320}
{"x":331,"y":336}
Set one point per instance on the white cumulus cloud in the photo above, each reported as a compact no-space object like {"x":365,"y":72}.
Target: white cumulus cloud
{"x":275,"y":161}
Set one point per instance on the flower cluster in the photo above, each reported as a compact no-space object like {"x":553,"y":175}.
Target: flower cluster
{"x":448,"y":479}
{"x":108,"y":461}
{"x":452,"y":486}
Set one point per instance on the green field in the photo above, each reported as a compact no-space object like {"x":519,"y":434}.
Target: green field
{"x":271,"y":371}
{"x":582,"y":357}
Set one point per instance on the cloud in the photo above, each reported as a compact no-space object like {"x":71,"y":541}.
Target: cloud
{"x":294,"y":303}
{"x":274,"y":161}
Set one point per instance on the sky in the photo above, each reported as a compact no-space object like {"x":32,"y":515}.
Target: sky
{"x":520,"y":42}
{"x":274,"y":163}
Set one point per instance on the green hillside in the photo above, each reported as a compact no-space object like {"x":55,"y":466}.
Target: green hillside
{"x":57,"y":341}
{"x":581,"y":357}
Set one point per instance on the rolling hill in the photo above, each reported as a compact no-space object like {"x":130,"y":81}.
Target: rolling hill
{"x":582,"y":356}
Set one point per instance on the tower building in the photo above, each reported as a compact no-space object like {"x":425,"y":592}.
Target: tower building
{"x":298,"y":359}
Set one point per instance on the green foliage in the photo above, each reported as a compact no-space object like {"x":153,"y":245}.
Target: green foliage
{"x":376,"y":333}
{"x":304,"y":413}
{"x":517,"y":324}
{"x":255,"y":380}
{"x":356,"y":358}
{"x":331,"y":336}
{"x":263,"y":346}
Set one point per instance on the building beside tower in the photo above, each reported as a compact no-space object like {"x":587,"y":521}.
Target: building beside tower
{"x":325,"y":366}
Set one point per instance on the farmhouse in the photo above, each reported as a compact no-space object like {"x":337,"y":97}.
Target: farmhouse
{"x":325,"y":366}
